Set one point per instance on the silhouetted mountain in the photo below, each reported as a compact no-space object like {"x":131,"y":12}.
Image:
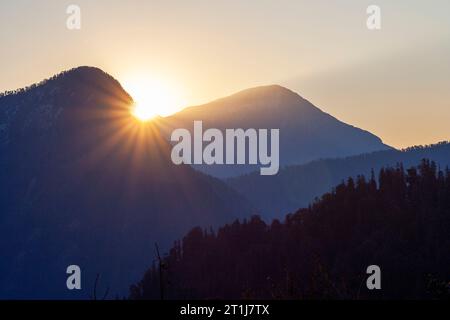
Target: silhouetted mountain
{"x":399,"y":223}
{"x":82,"y":182}
{"x":296,"y":186}
{"x":306,"y":132}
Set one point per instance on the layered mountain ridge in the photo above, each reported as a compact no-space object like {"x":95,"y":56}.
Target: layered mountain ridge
{"x":297,"y":186}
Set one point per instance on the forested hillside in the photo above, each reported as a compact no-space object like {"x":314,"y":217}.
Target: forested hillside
{"x":400,"y":222}
{"x":297,"y":186}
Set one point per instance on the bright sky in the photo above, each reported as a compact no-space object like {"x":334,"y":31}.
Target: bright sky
{"x":393,"y":82}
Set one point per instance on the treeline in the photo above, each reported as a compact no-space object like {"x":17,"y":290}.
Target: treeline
{"x":43,"y":82}
{"x":400,"y":222}
{"x":426,"y":146}
{"x":33,"y":86}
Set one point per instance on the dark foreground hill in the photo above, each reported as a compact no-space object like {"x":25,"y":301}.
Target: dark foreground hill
{"x":84,"y":183}
{"x":297,"y":186}
{"x":399,"y":224}
{"x":306,"y":132}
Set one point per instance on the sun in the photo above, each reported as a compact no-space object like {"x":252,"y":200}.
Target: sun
{"x":152,"y":98}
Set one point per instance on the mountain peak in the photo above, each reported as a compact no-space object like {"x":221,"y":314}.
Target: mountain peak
{"x":79,"y":80}
{"x":267,"y":92}
{"x":66,"y":100}
{"x":92,"y":77}
{"x":86,"y":72}
{"x":306,"y":132}
{"x":258,"y":99}
{"x":269,"y":88}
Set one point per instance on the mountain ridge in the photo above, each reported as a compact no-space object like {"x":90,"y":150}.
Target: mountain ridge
{"x":84,"y":182}
{"x":306,"y":132}
{"x":297,"y":186}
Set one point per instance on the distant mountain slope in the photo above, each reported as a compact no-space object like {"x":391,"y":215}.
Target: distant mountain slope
{"x":82,"y":182}
{"x":296,"y":186}
{"x":306,"y":133}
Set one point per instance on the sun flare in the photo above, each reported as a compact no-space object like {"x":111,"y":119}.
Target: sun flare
{"x":152,"y":98}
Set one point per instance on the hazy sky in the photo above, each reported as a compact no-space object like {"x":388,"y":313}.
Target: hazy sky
{"x":394,"y":82}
